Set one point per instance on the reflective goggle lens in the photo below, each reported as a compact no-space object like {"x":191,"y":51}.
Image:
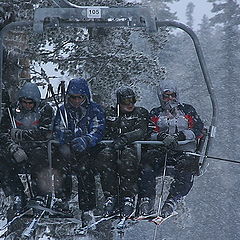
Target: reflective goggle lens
{"x":127,"y":101}
{"x":75,"y":97}
{"x":27,"y":102}
{"x":169,"y":95}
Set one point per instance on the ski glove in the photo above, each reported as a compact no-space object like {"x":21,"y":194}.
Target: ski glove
{"x":161,"y":136}
{"x":16,"y":134}
{"x":17,"y":153}
{"x":170,"y":141}
{"x":19,"y":135}
{"x":120,"y":143}
{"x":80,"y":144}
{"x":64,"y":136}
{"x":181,"y":136}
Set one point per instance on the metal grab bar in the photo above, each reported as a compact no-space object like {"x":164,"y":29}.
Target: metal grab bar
{"x":151,"y":142}
{"x":138,"y":145}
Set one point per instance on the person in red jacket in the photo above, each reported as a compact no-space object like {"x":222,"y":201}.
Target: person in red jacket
{"x":178,"y":126}
{"x":25,"y":128}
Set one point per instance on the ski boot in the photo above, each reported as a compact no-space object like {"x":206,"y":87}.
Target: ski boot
{"x":169,"y":207}
{"x":128,"y":207}
{"x":19,"y":203}
{"x":146,"y":206}
{"x":109,"y":206}
{"x":88,"y":219}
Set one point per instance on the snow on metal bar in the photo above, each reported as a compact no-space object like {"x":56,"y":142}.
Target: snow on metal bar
{"x":135,"y":16}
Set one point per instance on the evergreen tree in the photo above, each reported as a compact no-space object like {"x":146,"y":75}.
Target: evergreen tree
{"x":226,"y":18}
{"x":106,"y":57}
{"x":189,"y":14}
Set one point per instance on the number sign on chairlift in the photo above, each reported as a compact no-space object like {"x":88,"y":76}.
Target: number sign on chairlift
{"x":94,"y":12}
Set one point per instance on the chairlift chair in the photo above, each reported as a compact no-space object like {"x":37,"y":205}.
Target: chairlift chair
{"x":67,"y":14}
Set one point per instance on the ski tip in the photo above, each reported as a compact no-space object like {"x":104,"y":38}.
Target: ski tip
{"x":145,"y":217}
{"x":159,"y":220}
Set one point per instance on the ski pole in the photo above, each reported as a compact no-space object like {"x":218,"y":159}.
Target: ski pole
{"x":161,"y":194}
{"x":29,"y":186}
{"x":58,"y":108}
{"x":215,"y":158}
{"x":11,"y":118}
{"x":118,"y":151}
{"x":13,"y":122}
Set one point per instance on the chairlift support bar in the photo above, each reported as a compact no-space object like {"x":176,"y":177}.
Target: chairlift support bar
{"x":106,"y":15}
{"x":133,"y":17}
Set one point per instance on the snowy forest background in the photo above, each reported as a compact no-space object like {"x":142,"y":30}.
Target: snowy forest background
{"x":109,"y":58}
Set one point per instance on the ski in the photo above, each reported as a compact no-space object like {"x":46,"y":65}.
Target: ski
{"x":159,"y":220}
{"x":17,"y":216}
{"x":154,"y":218}
{"x":83,"y":231}
{"x":49,"y":210}
{"x":145,"y":217}
{"x":121,"y":227}
{"x":66,"y":216}
{"x":28,"y":231}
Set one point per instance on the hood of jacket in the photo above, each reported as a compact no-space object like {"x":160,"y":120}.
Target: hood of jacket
{"x":30,"y":90}
{"x":79,"y":86}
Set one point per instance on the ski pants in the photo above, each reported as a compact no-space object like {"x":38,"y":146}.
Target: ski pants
{"x":35,"y":165}
{"x":118,"y":171}
{"x":152,"y":166}
{"x":42,"y":181}
{"x":80,"y":164}
{"x":9,"y":179}
{"x":38,"y":166}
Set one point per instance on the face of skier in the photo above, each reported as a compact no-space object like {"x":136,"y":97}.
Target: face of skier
{"x":169,"y":96}
{"x":127,"y":104}
{"x":27,"y":103}
{"x":169,"y":100}
{"x":76,"y":100}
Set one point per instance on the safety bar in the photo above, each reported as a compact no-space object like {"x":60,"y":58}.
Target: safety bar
{"x":138,"y":145}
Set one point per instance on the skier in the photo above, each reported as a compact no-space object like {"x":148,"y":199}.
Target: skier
{"x":24,"y":129}
{"x":79,"y":126}
{"x":125,"y":124}
{"x":172,"y":123}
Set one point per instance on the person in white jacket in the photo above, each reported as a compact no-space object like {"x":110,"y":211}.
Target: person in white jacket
{"x":171,"y":122}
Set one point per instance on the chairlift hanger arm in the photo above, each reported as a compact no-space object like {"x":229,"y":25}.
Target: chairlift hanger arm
{"x":67,"y":4}
{"x":201,"y":62}
{"x":62,"y":4}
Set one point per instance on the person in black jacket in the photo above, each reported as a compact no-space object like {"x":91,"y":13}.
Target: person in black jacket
{"x":125,"y":124}
{"x":25,"y":128}
{"x":178,"y":126}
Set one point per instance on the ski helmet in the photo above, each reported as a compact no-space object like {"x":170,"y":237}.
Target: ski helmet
{"x":125,"y":93}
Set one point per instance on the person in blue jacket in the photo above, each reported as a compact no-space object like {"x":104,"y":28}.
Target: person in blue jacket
{"x":79,"y":126}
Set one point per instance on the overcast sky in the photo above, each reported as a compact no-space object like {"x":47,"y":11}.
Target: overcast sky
{"x":201,"y":7}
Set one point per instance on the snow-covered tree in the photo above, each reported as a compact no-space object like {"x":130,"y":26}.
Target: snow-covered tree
{"x":189,"y":14}
{"x":108,"y":58}
{"x":227,"y":19}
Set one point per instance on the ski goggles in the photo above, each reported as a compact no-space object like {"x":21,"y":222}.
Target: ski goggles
{"x":127,"y":101}
{"x":27,"y":102}
{"x":74,"y":97}
{"x":167,"y":95}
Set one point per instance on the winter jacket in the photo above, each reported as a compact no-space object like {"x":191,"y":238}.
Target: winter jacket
{"x":86,"y":121}
{"x":133,"y":126}
{"x":184,"y":119}
{"x":35,"y":125}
